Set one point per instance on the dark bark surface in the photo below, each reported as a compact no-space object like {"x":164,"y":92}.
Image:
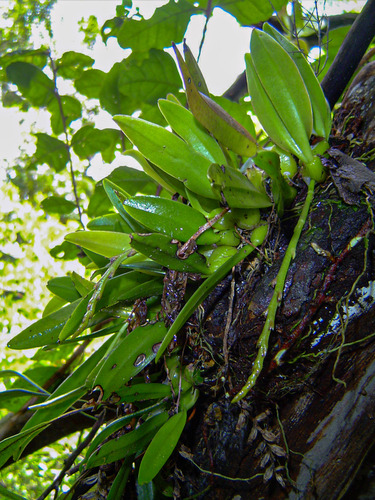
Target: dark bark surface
{"x":305,"y":429}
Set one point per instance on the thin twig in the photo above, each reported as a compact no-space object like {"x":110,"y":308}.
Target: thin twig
{"x":67,"y":142}
{"x":72,"y":457}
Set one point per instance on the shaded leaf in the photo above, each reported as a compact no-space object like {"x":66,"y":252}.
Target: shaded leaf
{"x":90,"y":83}
{"x":127,"y":444}
{"x":57,"y":205}
{"x":71,"y":108}
{"x":63,"y":287}
{"x":51,"y":151}
{"x":71,"y":64}
{"x":145,"y":80}
{"x":88,"y":141}
{"x":168,"y":23}
{"x":32,"y":82}
{"x":250,"y":12}
{"x":161,"y":447}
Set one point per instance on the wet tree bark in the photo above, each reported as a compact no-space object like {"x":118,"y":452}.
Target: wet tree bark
{"x":305,"y":429}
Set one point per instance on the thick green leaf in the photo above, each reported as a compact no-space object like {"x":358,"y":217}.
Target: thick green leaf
{"x":145,"y":80}
{"x":169,"y":217}
{"x":161,"y":447}
{"x":168,"y":23}
{"x":72,"y":110}
{"x":109,"y":222}
{"x":71,"y":64}
{"x":32,"y":82}
{"x":44,"y":331}
{"x":51,"y":151}
{"x":119,"y":484}
{"x":118,"y":424}
{"x":63,"y":287}
{"x":239,"y":111}
{"x":104,"y":243}
{"x":188,"y":128}
{"x":250,"y":12}
{"x":127,"y":444}
{"x":143,"y":392}
{"x":163,"y":250}
{"x":130,"y":357}
{"x":125,"y":287}
{"x":90,"y":83}
{"x":165,"y":180}
{"x":10,"y":445}
{"x":222,"y":126}
{"x":57,"y":205}
{"x":237,"y":190}
{"x":169,"y":153}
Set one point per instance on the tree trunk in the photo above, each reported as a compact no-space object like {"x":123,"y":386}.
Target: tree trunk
{"x":305,"y":429}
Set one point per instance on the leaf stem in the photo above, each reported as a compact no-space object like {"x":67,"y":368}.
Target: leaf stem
{"x":269,"y":325}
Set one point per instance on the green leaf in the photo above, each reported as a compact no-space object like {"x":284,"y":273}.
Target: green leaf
{"x":71,"y":108}
{"x":76,"y":380}
{"x":222,"y":126}
{"x":128,"y":444}
{"x":125,"y":287}
{"x":169,"y":153}
{"x":188,"y":128}
{"x":120,"y":481}
{"x":129,"y":357}
{"x":118,"y":424}
{"x":161,"y":447}
{"x":143,"y":392}
{"x":32,"y":82}
{"x":88,"y":141}
{"x":44,"y":331}
{"x":71,"y":64}
{"x":236,"y":188}
{"x":57,"y":205}
{"x":51,"y":151}
{"x":90,"y":83}
{"x":167,"y":23}
{"x":250,"y":12}
{"x":66,"y":251}
{"x":5,"y":493}
{"x":163,"y":250}
{"x":109,"y":222}
{"x":111,"y":99}
{"x":63,"y":287}
{"x":145,"y":80}
{"x":169,"y":217}
{"x":7,"y":397}
{"x":106,"y":243}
